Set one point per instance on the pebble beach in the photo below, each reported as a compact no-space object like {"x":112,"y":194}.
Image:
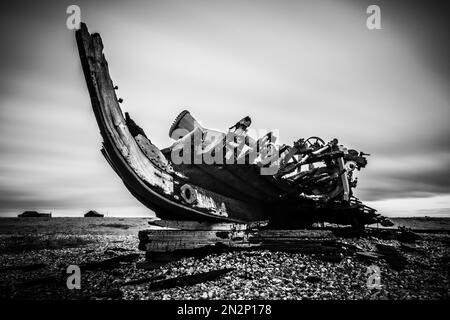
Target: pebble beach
{"x":255,"y":275}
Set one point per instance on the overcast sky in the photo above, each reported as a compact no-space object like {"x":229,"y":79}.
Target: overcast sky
{"x":302,"y":67}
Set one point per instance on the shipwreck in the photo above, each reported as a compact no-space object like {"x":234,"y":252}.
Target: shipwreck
{"x":224,"y":177}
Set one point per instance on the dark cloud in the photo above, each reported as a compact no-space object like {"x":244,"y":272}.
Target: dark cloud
{"x":407,"y":179}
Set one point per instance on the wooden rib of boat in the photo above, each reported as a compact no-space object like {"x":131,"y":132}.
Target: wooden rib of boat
{"x":165,"y":191}
{"x":219,"y":192}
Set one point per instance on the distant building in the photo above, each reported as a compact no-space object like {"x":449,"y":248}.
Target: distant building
{"x":34,"y":214}
{"x":93,"y":214}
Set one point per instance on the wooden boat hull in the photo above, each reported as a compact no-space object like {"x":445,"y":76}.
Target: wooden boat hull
{"x":156,"y":189}
{"x":215,"y":193}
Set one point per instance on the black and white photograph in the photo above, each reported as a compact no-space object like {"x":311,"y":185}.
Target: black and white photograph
{"x":225,"y":157}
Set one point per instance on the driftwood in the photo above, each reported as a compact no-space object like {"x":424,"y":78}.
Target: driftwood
{"x":189,"y":280}
{"x":316,"y":247}
{"x":143,"y":280}
{"x":168,"y":245}
{"x":47,"y":280}
{"x":280,"y":235}
{"x":114,"y":251}
{"x":196,"y":225}
{"x":173,"y":240}
{"x":109,"y":263}
{"x":113,"y":294}
{"x":24,"y":267}
{"x":300,"y":241}
{"x":411,"y":248}
{"x":166,"y":257}
{"x":392,"y":256}
{"x":401,"y":234}
{"x":368,"y":255}
{"x":119,"y":249}
{"x":150,"y":265}
{"x":407,"y":235}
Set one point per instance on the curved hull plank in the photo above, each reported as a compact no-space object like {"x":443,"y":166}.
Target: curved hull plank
{"x":114,"y":122}
{"x":158,"y":187}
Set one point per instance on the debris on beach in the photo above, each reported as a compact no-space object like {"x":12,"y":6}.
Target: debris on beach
{"x":260,"y":273}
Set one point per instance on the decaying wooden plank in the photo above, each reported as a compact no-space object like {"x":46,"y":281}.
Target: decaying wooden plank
{"x":150,"y":265}
{"x":196,"y":225}
{"x":104,"y":98}
{"x":170,"y":247}
{"x":143,"y":280}
{"x":392,"y":256}
{"x":24,"y":267}
{"x":161,"y":257}
{"x":109,"y":263}
{"x":170,"y":244}
{"x":111,"y":294}
{"x":172,"y":240}
{"x":407,"y":247}
{"x":46,"y":280}
{"x":309,"y":247}
{"x":368,"y":255}
{"x":188,"y":280}
{"x":209,"y":235}
{"x":294,"y":234}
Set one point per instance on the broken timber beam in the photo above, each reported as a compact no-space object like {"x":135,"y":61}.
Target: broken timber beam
{"x":188,"y":280}
{"x":172,"y":240}
{"x":109,"y":263}
{"x":168,"y":244}
{"x":196,"y":225}
{"x":24,"y":267}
